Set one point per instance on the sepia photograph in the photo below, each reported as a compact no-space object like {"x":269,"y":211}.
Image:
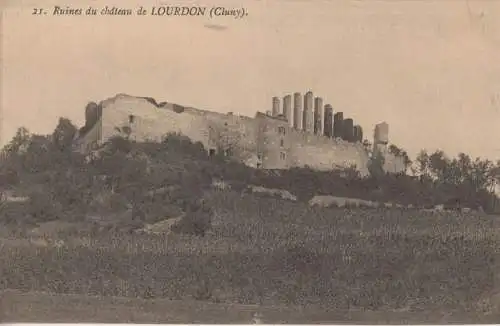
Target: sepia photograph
{"x":250,"y":161}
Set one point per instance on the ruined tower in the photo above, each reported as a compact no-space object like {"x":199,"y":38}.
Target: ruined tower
{"x":319,"y":126}
{"x":348,"y":130}
{"x":328,"y":123}
{"x":91,"y":114}
{"x":358,"y":134}
{"x":297,"y":111}
{"x":338,"y":121}
{"x":308,"y":115}
{"x":276,"y":110}
{"x":381,"y":138}
{"x":287,"y":109}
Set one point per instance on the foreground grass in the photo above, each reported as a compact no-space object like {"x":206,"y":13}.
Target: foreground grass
{"x":44,"y":307}
{"x":271,"y":252}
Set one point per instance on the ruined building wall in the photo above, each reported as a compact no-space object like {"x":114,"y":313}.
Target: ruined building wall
{"x":283,"y":147}
{"x":237,"y":134}
{"x":148,"y":122}
{"x":324,"y":153}
{"x":89,"y":138}
{"x":264,"y":141}
{"x":392,"y":163}
{"x":317,"y":138}
{"x":273,"y":142}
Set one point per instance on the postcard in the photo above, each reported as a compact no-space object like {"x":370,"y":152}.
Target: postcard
{"x":250,"y":162}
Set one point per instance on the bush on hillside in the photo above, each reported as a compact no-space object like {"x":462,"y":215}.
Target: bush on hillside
{"x":118,"y":144}
{"x":183,"y":144}
{"x":196,"y":221}
{"x":8,"y":178}
{"x":42,"y":207}
{"x":130,"y":168}
{"x":173,"y":145}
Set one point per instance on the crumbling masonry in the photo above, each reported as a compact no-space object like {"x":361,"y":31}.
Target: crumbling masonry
{"x":309,"y":133}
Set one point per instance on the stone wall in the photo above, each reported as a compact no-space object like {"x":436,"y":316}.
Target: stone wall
{"x":234,"y":133}
{"x":393,"y":164}
{"x":88,"y":139}
{"x":284,"y":147}
{"x":323,"y":153}
{"x":149,"y":122}
{"x":264,"y":141}
{"x":273,"y":142}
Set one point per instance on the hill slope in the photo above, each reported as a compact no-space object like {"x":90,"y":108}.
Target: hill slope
{"x":234,"y":247}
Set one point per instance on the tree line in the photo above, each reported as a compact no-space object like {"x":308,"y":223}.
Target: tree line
{"x":431,"y":179}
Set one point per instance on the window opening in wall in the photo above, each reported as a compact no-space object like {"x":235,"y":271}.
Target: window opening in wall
{"x":281,"y":130}
{"x":211,"y":152}
{"x":283,"y":155}
{"x":282,"y":142}
{"x":131,"y":118}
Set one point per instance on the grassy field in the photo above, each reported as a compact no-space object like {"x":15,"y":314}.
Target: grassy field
{"x":316,"y":264}
{"x":39,"y":307}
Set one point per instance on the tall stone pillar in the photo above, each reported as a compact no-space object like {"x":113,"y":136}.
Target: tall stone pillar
{"x":338,"y":121}
{"x":328,"y":123}
{"x":276,"y":110}
{"x":319,"y":126}
{"x":358,"y":134}
{"x":381,"y":138}
{"x":308,"y":115}
{"x":287,"y":109}
{"x":297,"y":111}
{"x":348,"y":130}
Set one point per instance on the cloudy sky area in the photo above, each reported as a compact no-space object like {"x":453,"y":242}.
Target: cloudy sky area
{"x":431,"y":69}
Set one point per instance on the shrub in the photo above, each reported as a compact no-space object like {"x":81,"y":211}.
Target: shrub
{"x":8,"y":178}
{"x":42,"y":207}
{"x":176,"y":142}
{"x":119,"y":143}
{"x":196,"y":221}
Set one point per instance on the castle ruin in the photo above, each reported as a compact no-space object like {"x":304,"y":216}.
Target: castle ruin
{"x":303,"y":133}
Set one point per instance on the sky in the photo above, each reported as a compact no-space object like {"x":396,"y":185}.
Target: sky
{"x":430,"y":69}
